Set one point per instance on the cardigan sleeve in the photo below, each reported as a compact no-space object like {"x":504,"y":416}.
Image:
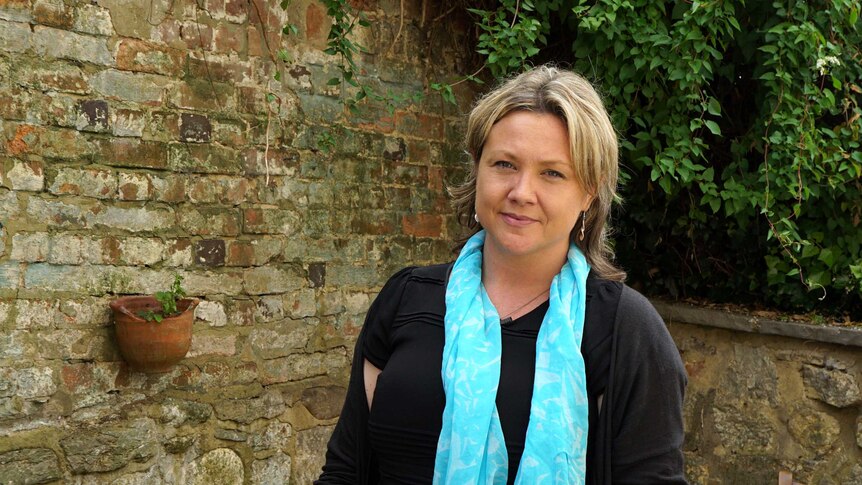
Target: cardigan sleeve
{"x":348,"y":457}
{"x":646,"y":415}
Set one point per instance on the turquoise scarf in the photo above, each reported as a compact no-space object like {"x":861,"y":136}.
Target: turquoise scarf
{"x":471,"y":449}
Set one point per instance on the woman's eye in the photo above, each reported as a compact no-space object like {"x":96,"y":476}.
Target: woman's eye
{"x":554,"y":173}
{"x":503,"y":164}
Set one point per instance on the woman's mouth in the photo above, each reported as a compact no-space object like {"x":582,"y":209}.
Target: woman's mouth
{"x":516,"y":220}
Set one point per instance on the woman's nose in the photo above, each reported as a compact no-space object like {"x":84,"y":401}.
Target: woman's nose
{"x":523,"y":189}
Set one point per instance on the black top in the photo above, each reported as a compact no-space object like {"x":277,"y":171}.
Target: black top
{"x":404,"y":336}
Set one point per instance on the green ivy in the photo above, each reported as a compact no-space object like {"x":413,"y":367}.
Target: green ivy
{"x":741,"y":132}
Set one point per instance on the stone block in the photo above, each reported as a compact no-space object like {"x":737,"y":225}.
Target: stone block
{"x":134,"y":19}
{"x":221,"y":466}
{"x":86,"y":344}
{"x":130,"y":87}
{"x":54,"y":13}
{"x":134,"y":186}
{"x":276,"y":436}
{"x":73,"y":249}
{"x":308,"y":459}
{"x":230,"y":435}
{"x":177,"y":412}
{"x":246,"y":411}
{"x":263,"y":280}
{"x":140,"y":56}
{"x":323,"y":402}
{"x":301,"y":304}
{"x":209,"y":221}
{"x":220,"y":68}
{"x":210,"y":252}
{"x":35,"y":382}
{"x":57,"y":211}
{"x":108,"y":448}
{"x":63,"y":44}
{"x":254,"y":252}
{"x":266,"y":220}
{"x":16,"y":345}
{"x":131,"y":152}
{"x":859,"y":431}
{"x":9,"y":206}
{"x":14,"y":36}
{"x":7,"y":382}
{"x":92,"y":19}
{"x":814,"y":430}
{"x":55,"y":76}
{"x":88,"y":384}
{"x":230,"y":39}
{"x":281,"y":341}
{"x":209,"y":283}
{"x":179,"y":253}
{"x":29,"y":466}
{"x":832,"y":386}
{"x":203,"y":95}
{"x":271,"y":471}
{"x":296,"y":367}
{"x":208,"y":344}
{"x":100,"y":184}
{"x":211,"y":312}
{"x":196,"y":158}
{"x":28,"y":176}
{"x":747,"y":432}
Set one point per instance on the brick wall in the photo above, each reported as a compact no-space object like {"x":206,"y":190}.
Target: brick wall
{"x":136,"y":142}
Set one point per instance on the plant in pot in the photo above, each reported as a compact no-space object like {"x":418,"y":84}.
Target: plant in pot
{"x":155,"y":332}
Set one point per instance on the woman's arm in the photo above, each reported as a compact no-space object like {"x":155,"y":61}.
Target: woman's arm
{"x":648,"y":390}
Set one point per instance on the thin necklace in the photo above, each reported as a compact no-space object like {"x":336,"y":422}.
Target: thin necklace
{"x":508,"y":318}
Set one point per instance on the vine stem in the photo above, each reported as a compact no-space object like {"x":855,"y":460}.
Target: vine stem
{"x":400,"y":28}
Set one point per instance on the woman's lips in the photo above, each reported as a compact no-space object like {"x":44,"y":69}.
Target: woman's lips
{"x":517,"y":220}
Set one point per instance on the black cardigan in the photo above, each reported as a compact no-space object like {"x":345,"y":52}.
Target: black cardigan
{"x":637,"y":436}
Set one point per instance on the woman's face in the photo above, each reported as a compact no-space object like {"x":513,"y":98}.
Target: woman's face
{"x":527,"y":198}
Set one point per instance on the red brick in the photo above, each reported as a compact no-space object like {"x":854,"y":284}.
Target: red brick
{"x":229,"y":39}
{"x":55,"y":14}
{"x":76,"y":377}
{"x":140,"y":56}
{"x":240,"y":253}
{"x":131,"y":152}
{"x":422,"y":225}
{"x":23,"y":140}
{"x":316,"y":23}
{"x":197,"y":35}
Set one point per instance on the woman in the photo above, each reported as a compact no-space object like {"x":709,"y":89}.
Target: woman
{"x":471,"y":372}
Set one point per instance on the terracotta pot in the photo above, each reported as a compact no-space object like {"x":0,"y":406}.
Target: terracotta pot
{"x":152,"y":347}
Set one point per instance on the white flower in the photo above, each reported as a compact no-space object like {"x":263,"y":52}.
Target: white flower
{"x":824,"y":64}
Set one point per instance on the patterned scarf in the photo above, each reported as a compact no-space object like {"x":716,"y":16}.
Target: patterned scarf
{"x":472,"y":449}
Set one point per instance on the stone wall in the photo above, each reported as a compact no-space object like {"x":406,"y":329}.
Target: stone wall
{"x":761,"y":400}
{"x":138,"y":140}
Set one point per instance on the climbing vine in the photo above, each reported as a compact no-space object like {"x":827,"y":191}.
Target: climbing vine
{"x":740,"y":127}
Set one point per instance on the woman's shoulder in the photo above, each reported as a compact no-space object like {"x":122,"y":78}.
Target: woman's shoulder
{"x":436,"y":274}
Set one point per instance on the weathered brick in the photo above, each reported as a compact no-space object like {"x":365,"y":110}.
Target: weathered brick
{"x":317,"y":275}
{"x":301,"y":304}
{"x":210,"y":252}
{"x":129,"y":152}
{"x":212,"y":312}
{"x":14,"y":36}
{"x":128,"y":122}
{"x":17,"y":345}
{"x":74,"y":249}
{"x":179,"y":253}
{"x":422,"y":225}
{"x":270,"y":221}
{"x":107,"y":448}
{"x":197,"y":158}
{"x":134,"y":219}
{"x":30,"y":247}
{"x":83,"y":313}
{"x":9,"y":205}
{"x":218,"y":189}
{"x":203,"y":95}
{"x":254,"y":252}
{"x":276,"y":162}
{"x":236,"y":11}
{"x":264,"y":280}
{"x":420,"y":125}
{"x":58,"y":212}
{"x":142,"y":251}
{"x":134,"y":186}
{"x":130,"y":86}
{"x":169,"y":188}
{"x":52,"y":12}
{"x":229,"y":39}
{"x":16,"y":11}
{"x":63,"y":44}
{"x":195,"y":128}
{"x":139,"y":56}
{"x":241,"y":312}
{"x":25,"y":176}
{"x":30,"y":465}
{"x":35,"y":382}
{"x":101,"y":184}
{"x":34,"y":314}
{"x":209,"y":221}
{"x":287,"y":339}
{"x":196,"y":35}
{"x":210,"y":344}
{"x":92,"y":19}
{"x":92,"y":115}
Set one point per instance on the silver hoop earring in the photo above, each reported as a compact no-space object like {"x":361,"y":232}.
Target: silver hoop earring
{"x":476,"y":217}
{"x":583,"y":225}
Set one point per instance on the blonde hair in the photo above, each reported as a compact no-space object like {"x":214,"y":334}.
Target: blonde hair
{"x":592,"y":139}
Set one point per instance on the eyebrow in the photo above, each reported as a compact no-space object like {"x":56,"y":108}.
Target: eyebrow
{"x":507,"y":155}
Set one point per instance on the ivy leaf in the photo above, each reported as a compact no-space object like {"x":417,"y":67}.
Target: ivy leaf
{"x":713,"y":127}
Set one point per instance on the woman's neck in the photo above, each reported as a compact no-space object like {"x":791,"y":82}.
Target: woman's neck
{"x":510,"y":281}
